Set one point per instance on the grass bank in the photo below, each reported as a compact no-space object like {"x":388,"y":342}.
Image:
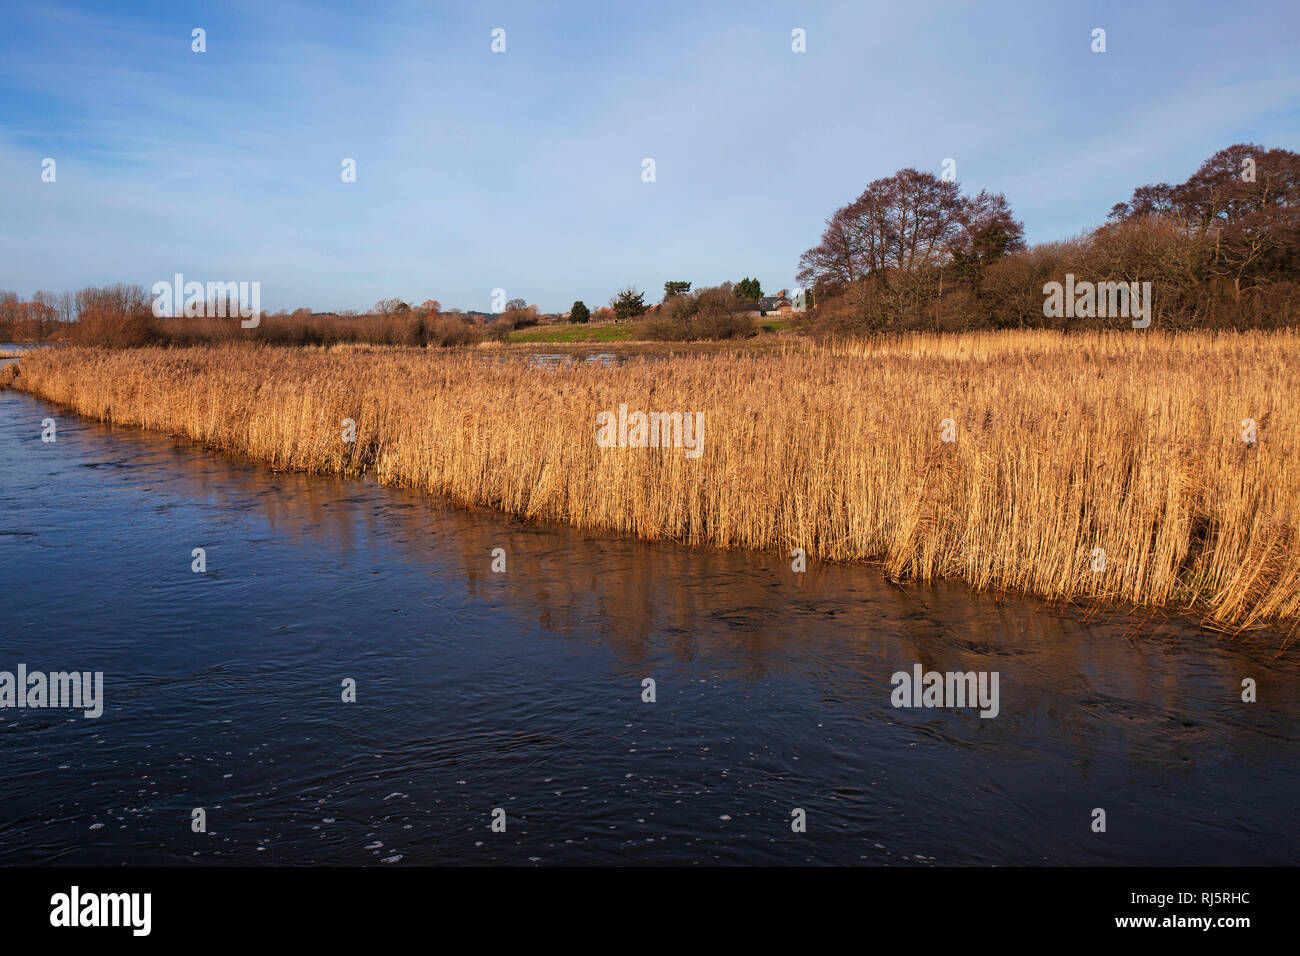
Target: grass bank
{"x":1063,"y":447}
{"x":607,"y":332}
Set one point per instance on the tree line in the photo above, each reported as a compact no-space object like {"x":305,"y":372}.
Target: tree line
{"x":913,"y":251}
{"x":1222,"y":250}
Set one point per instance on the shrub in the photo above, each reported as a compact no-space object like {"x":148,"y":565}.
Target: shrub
{"x":706,"y":314}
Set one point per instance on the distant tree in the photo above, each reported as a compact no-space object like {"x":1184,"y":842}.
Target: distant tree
{"x":628,"y":303}
{"x":989,"y":233}
{"x":603,"y":314}
{"x":517,"y":317}
{"x":516,"y":304}
{"x":579,"y":313}
{"x":1243,"y":203}
{"x":675,"y":288}
{"x":748,"y":289}
{"x":906,"y":223}
{"x":47,"y":302}
{"x":432,"y":306}
{"x":391,"y":307}
{"x":117,"y":316}
{"x":709,"y":313}
{"x":1231,"y":185}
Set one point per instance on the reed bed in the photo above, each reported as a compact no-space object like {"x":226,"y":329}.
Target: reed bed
{"x":1127,"y":442}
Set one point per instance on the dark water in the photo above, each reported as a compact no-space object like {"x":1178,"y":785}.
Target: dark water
{"x":522,"y":691}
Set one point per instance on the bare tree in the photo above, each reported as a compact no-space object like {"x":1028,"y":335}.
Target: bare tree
{"x":908,"y":222}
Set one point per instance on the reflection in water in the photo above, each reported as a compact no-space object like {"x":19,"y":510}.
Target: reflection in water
{"x":559,"y":359}
{"x":522,"y":690}
{"x":555,"y":360}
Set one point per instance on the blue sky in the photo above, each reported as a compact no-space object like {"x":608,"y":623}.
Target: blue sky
{"x":522,"y":170}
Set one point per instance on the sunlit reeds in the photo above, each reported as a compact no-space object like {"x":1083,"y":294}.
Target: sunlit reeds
{"x":1126,"y":442}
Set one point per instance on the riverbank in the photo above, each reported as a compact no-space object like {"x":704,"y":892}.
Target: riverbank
{"x":524,"y":690}
{"x":1084,"y":468}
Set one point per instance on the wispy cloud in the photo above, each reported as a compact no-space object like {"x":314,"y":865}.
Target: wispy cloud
{"x":522,"y":170}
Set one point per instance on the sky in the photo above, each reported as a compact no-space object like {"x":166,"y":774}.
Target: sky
{"x":523,"y":170}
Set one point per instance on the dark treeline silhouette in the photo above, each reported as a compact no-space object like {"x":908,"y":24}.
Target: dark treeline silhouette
{"x":1221,"y":250}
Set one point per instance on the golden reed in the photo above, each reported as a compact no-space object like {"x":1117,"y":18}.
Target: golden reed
{"x":1131,"y":443}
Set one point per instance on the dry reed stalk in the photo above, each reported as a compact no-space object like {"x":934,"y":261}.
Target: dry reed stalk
{"x":1126,"y":442}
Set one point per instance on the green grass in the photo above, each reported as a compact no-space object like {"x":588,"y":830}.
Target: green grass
{"x":609,"y":332}
{"x":605,"y":332}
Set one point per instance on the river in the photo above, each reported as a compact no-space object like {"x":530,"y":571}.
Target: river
{"x":522,"y":690}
